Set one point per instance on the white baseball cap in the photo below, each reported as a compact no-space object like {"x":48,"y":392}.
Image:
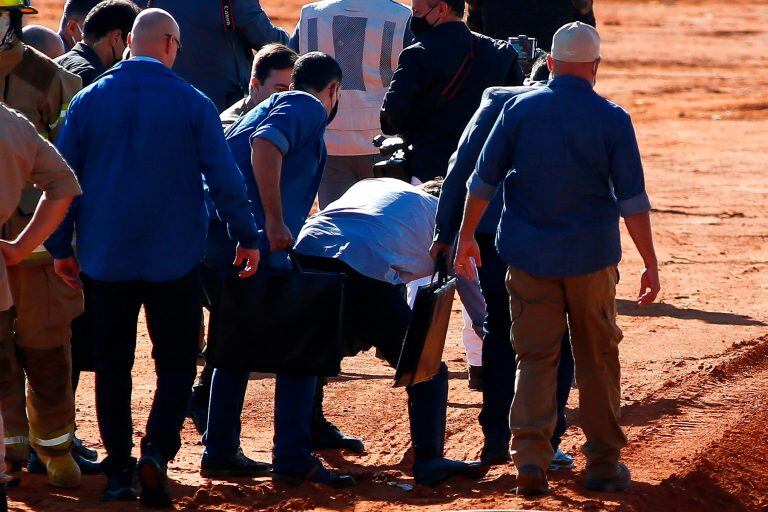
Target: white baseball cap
{"x":576,"y":42}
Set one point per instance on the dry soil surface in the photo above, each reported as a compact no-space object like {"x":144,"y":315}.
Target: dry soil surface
{"x":695,"y":381}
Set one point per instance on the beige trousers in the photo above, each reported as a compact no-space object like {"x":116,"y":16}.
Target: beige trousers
{"x":540,"y":308}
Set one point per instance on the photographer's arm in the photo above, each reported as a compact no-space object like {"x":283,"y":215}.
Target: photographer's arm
{"x":400,"y":107}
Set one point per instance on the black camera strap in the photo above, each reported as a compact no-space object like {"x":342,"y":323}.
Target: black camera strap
{"x":228,"y":17}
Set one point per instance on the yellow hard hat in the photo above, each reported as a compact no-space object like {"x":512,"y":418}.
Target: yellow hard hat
{"x":22,"y":5}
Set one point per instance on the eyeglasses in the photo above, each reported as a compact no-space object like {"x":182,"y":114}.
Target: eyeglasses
{"x":178,"y":43}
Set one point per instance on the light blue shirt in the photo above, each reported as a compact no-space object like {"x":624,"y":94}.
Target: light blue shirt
{"x":382,"y":228}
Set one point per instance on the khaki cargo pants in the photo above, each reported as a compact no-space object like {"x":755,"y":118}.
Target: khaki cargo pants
{"x":34,"y":342}
{"x":540,"y":308}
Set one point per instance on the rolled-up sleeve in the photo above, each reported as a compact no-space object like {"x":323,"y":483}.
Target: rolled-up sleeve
{"x":495,"y":158}
{"x":273,"y":135}
{"x":292,"y":122}
{"x":627,"y":173}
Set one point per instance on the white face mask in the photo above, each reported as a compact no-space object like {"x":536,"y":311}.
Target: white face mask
{"x":6,"y":36}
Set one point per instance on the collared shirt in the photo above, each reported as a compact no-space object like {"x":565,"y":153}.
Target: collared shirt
{"x":382,"y":228}
{"x":144,"y":58}
{"x":235,"y":112}
{"x":27,"y":157}
{"x":294,"y":121}
{"x":570,"y":165}
{"x":462,"y":164}
{"x":141,"y":140}
{"x":82,"y":61}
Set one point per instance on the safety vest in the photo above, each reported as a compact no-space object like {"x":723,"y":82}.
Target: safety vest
{"x":366,"y":38}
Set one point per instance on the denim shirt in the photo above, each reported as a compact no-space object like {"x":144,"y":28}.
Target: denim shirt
{"x":462,"y":164}
{"x":294,"y":121}
{"x":570,"y":166}
{"x":142,"y":141}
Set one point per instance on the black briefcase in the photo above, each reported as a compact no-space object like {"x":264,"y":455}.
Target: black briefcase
{"x":422,"y":350}
{"x":280,"y":321}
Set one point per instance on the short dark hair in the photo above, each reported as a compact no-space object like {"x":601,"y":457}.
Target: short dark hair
{"x":456,"y":6}
{"x":110,"y":15}
{"x":78,"y":8}
{"x":539,"y":69}
{"x":313,"y":71}
{"x":270,"y":58}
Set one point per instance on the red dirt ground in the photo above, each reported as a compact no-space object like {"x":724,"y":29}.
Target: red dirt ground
{"x":695,"y":366}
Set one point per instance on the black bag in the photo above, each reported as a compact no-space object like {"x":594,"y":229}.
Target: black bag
{"x":424,"y":343}
{"x":280,"y":321}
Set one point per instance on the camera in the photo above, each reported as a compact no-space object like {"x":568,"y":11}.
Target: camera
{"x":525,"y":47}
{"x":527,"y":51}
{"x":396,"y":165}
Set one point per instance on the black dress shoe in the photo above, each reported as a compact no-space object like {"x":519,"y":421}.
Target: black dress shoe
{"x":154,"y":483}
{"x":435,"y":471}
{"x":87,"y":467}
{"x":318,"y":474}
{"x":121,"y":484}
{"x":237,"y":466}
{"x":327,"y":436}
{"x":78,"y":448}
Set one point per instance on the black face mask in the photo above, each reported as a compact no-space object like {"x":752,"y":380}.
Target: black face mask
{"x":420,"y":25}
{"x":333,"y":113}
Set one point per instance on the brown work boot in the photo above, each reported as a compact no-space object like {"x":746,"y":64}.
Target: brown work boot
{"x":62,"y":470}
{"x":621,"y":481}
{"x":531,"y":481}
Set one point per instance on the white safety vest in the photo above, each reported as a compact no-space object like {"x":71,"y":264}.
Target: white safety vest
{"x":366,"y":38}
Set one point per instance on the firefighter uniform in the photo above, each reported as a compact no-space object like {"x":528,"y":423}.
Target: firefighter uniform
{"x":35,"y":333}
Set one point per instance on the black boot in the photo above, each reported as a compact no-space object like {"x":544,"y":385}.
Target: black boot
{"x":427,"y":405}
{"x":153,"y":478}
{"x":3,"y":498}
{"x":78,"y":448}
{"x":121,"y":481}
{"x":326,"y":435}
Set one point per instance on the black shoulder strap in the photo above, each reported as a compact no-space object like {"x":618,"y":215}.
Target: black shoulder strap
{"x":463,"y":72}
{"x":227,"y":15}
{"x":228,"y":18}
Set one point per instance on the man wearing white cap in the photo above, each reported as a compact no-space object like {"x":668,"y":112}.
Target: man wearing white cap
{"x":571,"y":166}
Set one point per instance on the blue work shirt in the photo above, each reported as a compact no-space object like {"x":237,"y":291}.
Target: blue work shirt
{"x":294,"y":121}
{"x":140,"y":139}
{"x":382,"y":228}
{"x":462,"y":164}
{"x":570,"y":165}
